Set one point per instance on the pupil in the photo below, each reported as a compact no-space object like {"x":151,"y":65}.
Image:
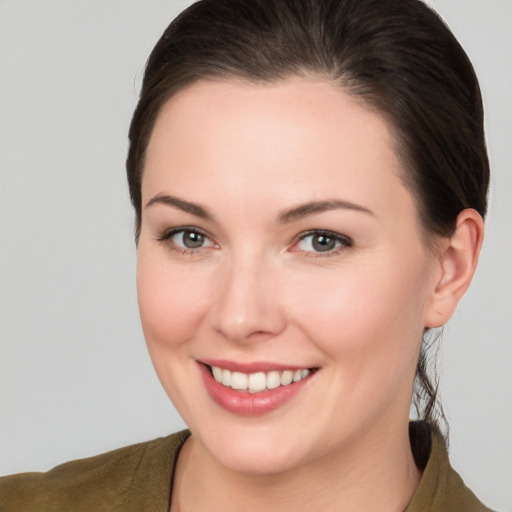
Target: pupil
{"x":192,"y":240}
{"x":323,"y":243}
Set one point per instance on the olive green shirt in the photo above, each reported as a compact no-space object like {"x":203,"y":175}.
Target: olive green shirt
{"x":139,"y":478}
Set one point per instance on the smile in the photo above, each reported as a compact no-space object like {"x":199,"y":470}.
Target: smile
{"x":259,"y":381}
{"x":253,"y":392}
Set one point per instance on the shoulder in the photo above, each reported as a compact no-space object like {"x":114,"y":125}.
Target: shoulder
{"x":118,"y":480}
{"x":441,"y":488}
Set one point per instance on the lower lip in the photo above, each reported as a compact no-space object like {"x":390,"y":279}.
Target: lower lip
{"x":250,"y":404}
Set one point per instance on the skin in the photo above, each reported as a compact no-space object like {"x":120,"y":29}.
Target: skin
{"x":257,"y":290}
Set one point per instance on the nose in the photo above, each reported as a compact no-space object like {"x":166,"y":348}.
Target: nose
{"x":247,"y":305}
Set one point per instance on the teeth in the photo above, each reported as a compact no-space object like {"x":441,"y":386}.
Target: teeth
{"x":217,"y":373}
{"x":238,"y":380}
{"x":259,"y":381}
{"x":286,"y":378}
{"x":273,"y":380}
{"x":226,"y":378}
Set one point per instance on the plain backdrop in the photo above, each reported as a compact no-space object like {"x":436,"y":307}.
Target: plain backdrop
{"x":75,"y":378}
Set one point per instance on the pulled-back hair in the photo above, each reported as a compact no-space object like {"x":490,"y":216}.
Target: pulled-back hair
{"x":396,"y":57}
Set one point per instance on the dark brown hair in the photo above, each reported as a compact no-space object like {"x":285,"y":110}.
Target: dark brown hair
{"x":396,"y":57}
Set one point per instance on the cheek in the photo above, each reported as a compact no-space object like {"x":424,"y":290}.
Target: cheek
{"x":368,"y":325}
{"x":171,"y":302}
{"x":365,"y":317}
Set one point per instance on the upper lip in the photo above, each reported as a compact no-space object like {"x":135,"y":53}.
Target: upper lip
{"x":252,"y":367}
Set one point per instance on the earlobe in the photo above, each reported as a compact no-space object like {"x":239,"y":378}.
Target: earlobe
{"x":458,"y":259}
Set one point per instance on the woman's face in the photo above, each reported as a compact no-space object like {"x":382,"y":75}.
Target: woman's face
{"x":278,"y":241}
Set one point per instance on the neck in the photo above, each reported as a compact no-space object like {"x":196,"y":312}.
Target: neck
{"x":376,"y":473}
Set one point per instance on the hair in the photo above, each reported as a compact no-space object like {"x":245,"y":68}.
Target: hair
{"x":396,"y":57}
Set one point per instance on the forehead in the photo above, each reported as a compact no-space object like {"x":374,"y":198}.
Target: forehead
{"x":294,"y":140}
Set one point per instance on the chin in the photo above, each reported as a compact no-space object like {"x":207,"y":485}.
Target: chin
{"x":255,"y":457}
{"x":255,"y":449}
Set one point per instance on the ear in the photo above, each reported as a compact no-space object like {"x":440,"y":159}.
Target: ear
{"x":458,"y":258}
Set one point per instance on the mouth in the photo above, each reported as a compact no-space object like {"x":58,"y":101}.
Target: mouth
{"x":253,"y":392}
{"x":258,"y":382}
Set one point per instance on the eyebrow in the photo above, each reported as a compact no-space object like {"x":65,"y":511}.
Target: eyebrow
{"x":285,"y":216}
{"x":314,"y":207}
{"x":186,"y":206}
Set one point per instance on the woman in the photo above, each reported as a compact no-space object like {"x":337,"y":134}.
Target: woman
{"x":309,"y":180}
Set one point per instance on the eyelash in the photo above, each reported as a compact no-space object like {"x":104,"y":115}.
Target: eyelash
{"x":344,"y":241}
{"x":166,"y":238}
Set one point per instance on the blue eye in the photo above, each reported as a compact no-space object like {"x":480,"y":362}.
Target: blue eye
{"x":322,"y":242}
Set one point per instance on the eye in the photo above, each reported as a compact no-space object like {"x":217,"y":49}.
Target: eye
{"x":186,"y":239}
{"x":322,"y":242}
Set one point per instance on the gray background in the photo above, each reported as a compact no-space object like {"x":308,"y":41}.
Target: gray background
{"x":75,"y":378}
